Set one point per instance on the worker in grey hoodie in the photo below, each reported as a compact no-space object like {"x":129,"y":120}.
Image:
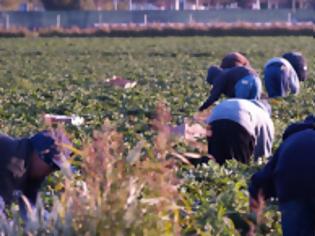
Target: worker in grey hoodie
{"x":240,"y":128}
{"x":282,"y":75}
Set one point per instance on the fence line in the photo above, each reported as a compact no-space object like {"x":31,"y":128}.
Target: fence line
{"x":88,"y":19}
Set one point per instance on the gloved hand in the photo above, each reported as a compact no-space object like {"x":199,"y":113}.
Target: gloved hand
{"x":202,"y":107}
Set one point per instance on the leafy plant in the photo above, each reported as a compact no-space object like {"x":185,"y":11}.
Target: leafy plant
{"x":66,"y":76}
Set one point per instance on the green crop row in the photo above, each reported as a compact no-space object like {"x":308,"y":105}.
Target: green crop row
{"x":153,"y":196}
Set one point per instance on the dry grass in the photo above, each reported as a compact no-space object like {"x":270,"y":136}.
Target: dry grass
{"x":116,"y":192}
{"x":171,"y":29}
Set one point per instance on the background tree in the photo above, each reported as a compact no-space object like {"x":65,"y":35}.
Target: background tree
{"x":311,"y":3}
{"x":9,"y":4}
{"x":56,"y":5}
{"x":245,"y":3}
{"x":67,"y":5}
{"x":106,"y":5}
{"x":87,"y":5}
{"x":163,"y":4}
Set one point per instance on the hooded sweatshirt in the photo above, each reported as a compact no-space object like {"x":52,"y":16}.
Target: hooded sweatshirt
{"x":15,"y":158}
{"x":289,"y":174}
{"x":253,"y":115}
{"x":286,"y":82}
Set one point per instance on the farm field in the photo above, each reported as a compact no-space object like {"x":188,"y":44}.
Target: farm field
{"x":66,"y":76}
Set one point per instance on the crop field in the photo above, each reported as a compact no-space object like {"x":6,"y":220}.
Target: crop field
{"x":67,"y":76}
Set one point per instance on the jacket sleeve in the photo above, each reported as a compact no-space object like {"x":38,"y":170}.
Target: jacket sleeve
{"x":263,"y":180}
{"x":264,"y":138}
{"x":294,"y":82}
{"x":215,"y":93}
{"x":31,"y":190}
{"x":6,"y":189}
{"x":297,"y":127}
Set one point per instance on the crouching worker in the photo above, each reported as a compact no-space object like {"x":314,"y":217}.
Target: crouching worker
{"x":25,"y":162}
{"x":239,"y":129}
{"x":282,"y":74}
{"x":239,"y":82}
{"x":289,"y":176}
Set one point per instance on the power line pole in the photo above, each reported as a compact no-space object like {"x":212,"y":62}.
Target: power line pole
{"x":293,"y":5}
{"x":115,"y":4}
{"x":130,"y":5}
{"x":176,"y":5}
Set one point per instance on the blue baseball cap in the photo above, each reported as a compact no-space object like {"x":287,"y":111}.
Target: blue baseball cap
{"x":213,"y":73}
{"x":51,"y":147}
{"x":298,"y":62}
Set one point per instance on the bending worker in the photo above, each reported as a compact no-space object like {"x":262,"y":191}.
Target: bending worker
{"x":25,"y":162}
{"x":239,"y":82}
{"x":240,"y":128}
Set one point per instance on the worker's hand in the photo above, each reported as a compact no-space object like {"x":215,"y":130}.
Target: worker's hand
{"x":200,"y":117}
{"x":201,"y":108}
{"x":253,"y":204}
{"x":257,"y":205}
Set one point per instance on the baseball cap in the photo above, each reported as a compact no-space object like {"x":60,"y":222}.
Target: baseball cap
{"x":298,"y":62}
{"x":52,"y":146}
{"x":234,"y":59}
{"x":213,"y":72}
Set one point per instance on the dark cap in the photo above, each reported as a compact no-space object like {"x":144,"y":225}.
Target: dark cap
{"x":298,"y":62}
{"x":310,"y":119}
{"x":51,"y":147}
{"x":234,"y":59}
{"x":213,"y":72}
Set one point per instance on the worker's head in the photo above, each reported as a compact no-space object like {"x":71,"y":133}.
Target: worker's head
{"x":234,"y":59}
{"x":213,"y":73}
{"x":299,"y":64}
{"x":50,"y":152}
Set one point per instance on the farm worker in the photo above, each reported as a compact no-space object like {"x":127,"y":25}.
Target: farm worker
{"x":239,"y":129}
{"x":298,"y":63}
{"x":25,"y":162}
{"x":234,"y":59}
{"x":282,"y":74}
{"x":239,"y":82}
{"x":289,"y":175}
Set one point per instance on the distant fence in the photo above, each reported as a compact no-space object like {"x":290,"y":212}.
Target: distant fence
{"x":88,"y":19}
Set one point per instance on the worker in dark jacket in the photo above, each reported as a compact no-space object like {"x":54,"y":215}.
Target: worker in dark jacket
{"x":234,"y":59}
{"x":239,"y":82}
{"x":289,"y":176}
{"x":283,"y":74}
{"x":25,"y":162}
{"x":298,"y":62}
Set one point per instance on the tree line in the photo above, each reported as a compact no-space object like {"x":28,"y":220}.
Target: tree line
{"x":162,"y":4}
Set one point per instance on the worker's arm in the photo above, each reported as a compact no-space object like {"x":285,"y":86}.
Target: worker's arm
{"x":263,"y":182}
{"x":215,"y":93}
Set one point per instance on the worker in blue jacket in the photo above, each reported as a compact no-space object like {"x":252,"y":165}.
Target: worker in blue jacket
{"x":235,"y":82}
{"x":289,"y":176}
